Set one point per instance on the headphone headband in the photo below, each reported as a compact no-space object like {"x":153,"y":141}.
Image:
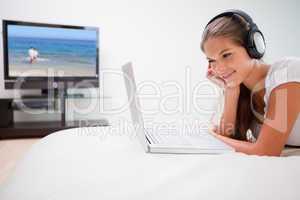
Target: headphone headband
{"x":231,"y":12}
{"x":255,"y":43}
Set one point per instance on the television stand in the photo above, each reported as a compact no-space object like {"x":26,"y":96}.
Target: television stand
{"x":41,"y":129}
{"x":25,"y":129}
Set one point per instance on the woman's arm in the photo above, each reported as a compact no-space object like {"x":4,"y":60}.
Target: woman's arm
{"x":226,"y":125}
{"x":282,"y":112}
{"x":238,"y":145}
{"x":228,"y":118}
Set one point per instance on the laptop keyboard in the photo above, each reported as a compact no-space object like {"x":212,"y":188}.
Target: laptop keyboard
{"x":203,"y":139}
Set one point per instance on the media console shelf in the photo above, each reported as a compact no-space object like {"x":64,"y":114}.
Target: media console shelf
{"x":40,"y":129}
{"x":24,"y":129}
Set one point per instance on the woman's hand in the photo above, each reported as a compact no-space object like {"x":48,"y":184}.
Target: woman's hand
{"x":215,"y":131}
{"x":214,"y":78}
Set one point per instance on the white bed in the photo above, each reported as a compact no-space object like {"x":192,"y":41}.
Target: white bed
{"x":103,"y":163}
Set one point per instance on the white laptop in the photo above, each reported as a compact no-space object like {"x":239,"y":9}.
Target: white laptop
{"x":162,"y":142}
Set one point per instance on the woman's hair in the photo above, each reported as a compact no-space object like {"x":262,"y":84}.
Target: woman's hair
{"x":235,"y":28}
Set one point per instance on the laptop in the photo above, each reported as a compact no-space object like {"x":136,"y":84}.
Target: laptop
{"x":163,"y":141}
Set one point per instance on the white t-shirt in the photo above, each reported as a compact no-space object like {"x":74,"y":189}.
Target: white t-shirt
{"x":283,"y":71}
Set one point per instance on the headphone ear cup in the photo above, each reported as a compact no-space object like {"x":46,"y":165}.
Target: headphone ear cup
{"x":256,"y":46}
{"x":259,"y":42}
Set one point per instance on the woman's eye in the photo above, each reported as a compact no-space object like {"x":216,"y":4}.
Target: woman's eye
{"x":226,"y":55}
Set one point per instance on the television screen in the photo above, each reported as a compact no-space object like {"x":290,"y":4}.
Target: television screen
{"x":43,"y":50}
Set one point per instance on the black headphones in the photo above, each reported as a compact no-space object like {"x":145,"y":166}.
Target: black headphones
{"x":255,"y":41}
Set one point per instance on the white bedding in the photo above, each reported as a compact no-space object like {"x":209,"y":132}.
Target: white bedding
{"x":98,"y":163}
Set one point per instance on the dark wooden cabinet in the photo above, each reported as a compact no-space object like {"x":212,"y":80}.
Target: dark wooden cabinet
{"x":40,"y":129}
{"x":12,"y":129}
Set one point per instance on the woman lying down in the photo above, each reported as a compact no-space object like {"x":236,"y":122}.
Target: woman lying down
{"x":261,"y":101}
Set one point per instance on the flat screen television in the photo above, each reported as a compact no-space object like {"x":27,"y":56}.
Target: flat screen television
{"x":37,"y":52}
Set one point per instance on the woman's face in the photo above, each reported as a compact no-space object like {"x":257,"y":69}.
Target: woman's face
{"x":228,"y":60}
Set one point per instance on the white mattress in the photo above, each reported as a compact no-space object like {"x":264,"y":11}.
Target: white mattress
{"x":105,"y":163}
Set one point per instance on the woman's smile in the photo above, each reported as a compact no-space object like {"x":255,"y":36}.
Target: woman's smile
{"x":228,"y":75}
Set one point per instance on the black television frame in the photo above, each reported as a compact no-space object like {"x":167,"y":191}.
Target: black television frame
{"x":42,"y":82}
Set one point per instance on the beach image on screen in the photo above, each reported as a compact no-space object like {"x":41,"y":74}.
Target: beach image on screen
{"x":49,"y":51}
